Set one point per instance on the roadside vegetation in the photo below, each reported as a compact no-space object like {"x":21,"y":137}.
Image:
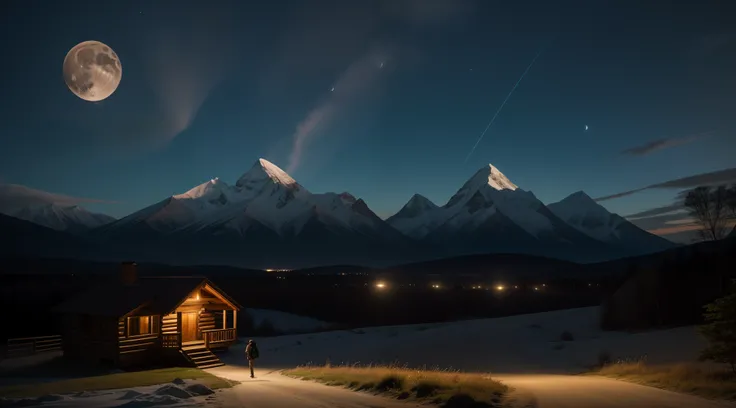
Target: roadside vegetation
{"x":450,"y":389}
{"x":115,"y":381}
{"x":687,"y":378}
{"x":716,"y":380}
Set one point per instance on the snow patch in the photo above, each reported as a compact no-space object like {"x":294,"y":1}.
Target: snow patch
{"x":515,"y":344}
{"x":173,"y":390}
{"x":199,"y":390}
{"x":130,"y":394}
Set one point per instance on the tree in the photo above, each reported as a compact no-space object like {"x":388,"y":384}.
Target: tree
{"x":720,"y":331}
{"x":709,"y":207}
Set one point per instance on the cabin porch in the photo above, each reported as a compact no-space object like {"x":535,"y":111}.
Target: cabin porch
{"x":203,"y":322}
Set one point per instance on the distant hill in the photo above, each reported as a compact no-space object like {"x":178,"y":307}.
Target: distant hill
{"x":500,"y":266}
{"x":25,"y":238}
{"x":669,"y":288}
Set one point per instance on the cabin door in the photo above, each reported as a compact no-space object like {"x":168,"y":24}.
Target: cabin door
{"x":189,"y":326}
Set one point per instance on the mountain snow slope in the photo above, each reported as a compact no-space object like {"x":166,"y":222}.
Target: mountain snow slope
{"x":265,"y":219}
{"x":592,"y":219}
{"x":413,"y":219}
{"x":491,"y":214}
{"x":47,"y":209}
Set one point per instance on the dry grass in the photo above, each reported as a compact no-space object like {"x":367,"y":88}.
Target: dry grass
{"x":449,"y":388}
{"x":688,"y":378}
{"x":115,"y":381}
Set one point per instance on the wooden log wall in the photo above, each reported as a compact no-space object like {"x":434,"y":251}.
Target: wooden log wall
{"x":207,"y":321}
{"x":169,"y":324}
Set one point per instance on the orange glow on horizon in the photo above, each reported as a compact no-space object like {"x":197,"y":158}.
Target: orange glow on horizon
{"x":682,"y":228}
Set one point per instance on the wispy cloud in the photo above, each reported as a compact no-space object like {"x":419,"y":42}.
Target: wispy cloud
{"x":666,"y":143}
{"x":683,"y":228}
{"x":653,"y":212}
{"x":15,"y":196}
{"x":356,"y":82}
{"x":306,"y":51}
{"x":725,"y":176}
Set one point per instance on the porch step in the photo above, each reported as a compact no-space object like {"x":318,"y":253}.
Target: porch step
{"x":192,"y":346}
{"x":201,"y":357}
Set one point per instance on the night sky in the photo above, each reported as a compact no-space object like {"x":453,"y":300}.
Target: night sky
{"x":209,"y":87}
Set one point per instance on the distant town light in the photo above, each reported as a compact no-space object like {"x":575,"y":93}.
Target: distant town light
{"x":380,"y":285}
{"x":500,"y":288}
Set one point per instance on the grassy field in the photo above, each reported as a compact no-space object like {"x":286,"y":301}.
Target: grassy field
{"x":687,"y":378}
{"x":114,"y":381}
{"x":451,"y":389}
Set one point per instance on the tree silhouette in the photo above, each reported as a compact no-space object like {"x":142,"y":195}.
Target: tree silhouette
{"x":720,"y":331}
{"x":711,"y":208}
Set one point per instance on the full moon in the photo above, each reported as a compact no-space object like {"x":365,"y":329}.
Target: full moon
{"x":92,"y":70}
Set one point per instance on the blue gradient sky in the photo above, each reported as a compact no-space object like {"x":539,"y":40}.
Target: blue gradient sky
{"x":243,"y":76}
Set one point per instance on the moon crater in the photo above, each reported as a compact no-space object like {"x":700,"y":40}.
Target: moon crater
{"x":92,"y":71}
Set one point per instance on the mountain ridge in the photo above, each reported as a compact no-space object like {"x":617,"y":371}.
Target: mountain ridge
{"x":268,"y":219}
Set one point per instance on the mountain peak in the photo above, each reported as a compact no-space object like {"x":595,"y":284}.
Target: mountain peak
{"x":263,"y":169}
{"x":498,"y":180}
{"x":347,"y":197}
{"x":416,"y":206}
{"x":420,"y":201}
{"x":211,"y":187}
{"x":579,"y":196}
{"x":490,"y":175}
{"x":578,"y":203}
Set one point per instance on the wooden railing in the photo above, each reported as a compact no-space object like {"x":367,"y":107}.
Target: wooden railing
{"x":32,"y":345}
{"x":218,"y":336}
{"x":171,"y":340}
{"x":135,"y":344}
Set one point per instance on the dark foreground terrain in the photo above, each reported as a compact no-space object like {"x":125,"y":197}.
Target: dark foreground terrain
{"x":663,"y":289}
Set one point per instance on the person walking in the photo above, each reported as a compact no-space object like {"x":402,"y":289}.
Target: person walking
{"x":251,"y":353}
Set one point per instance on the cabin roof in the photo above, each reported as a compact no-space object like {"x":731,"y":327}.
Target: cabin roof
{"x":156,"y":295}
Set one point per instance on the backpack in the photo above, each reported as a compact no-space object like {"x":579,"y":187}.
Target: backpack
{"x":254,"y":351}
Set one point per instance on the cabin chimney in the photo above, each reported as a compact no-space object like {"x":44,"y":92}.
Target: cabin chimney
{"x":129,"y":274}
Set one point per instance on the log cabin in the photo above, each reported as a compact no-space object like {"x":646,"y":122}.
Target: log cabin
{"x":137,"y":322}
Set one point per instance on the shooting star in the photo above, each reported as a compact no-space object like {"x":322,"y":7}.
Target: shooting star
{"x":502,"y":105}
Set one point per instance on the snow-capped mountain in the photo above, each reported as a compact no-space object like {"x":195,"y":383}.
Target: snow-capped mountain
{"x":54,"y":211}
{"x":591,"y":218}
{"x":265,"y":215}
{"x":267,"y":219}
{"x":414,"y":218}
{"x":491,"y":214}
